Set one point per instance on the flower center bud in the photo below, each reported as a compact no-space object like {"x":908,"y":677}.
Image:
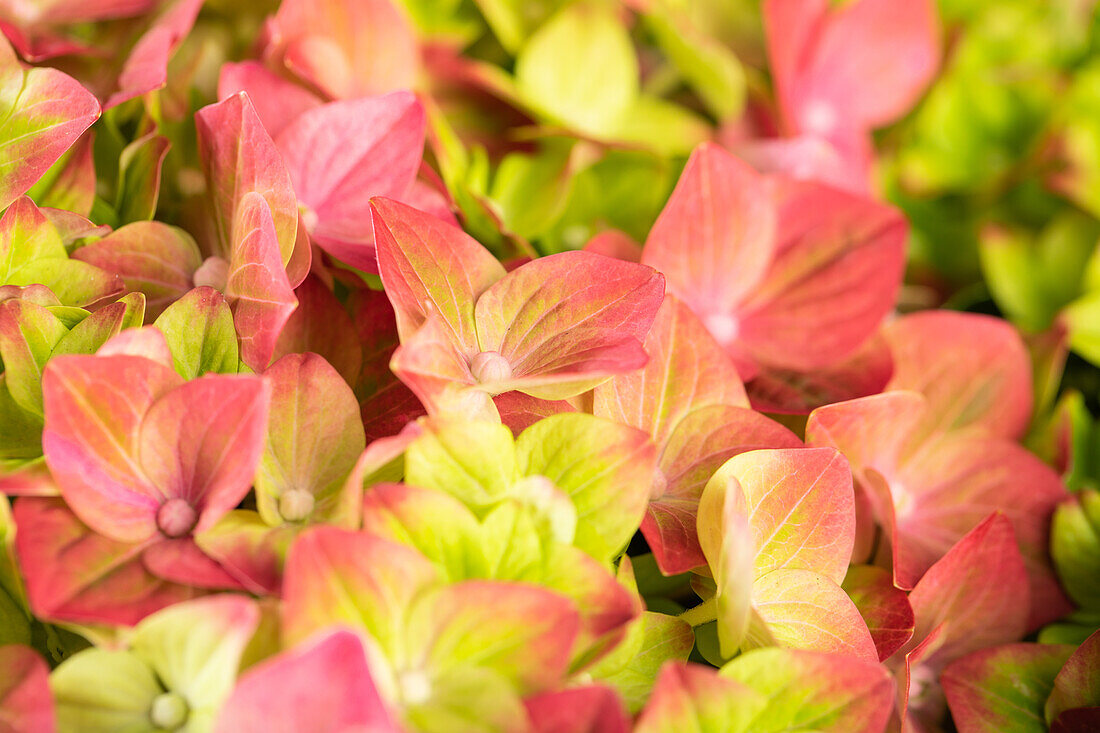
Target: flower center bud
{"x":213,"y":272}
{"x":176,"y":518}
{"x":169,"y":711}
{"x":820,"y":117}
{"x":295,"y":505}
{"x":903,"y":499}
{"x":723,"y":327}
{"x":308,"y":217}
{"x":490,"y":366}
{"x":415,"y":687}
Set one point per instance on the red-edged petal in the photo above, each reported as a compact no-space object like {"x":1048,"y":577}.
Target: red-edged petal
{"x":1004,"y":687}
{"x":239,"y":157}
{"x":94,"y":410}
{"x":945,"y":491}
{"x":694,"y":697}
{"x":980,"y":579}
{"x":590,"y":709}
{"x":687,"y":370}
{"x":201,"y":443}
{"x":715,"y":238}
{"x":151,"y":258}
{"x":44,"y":112}
{"x":428,"y":265}
{"x":386,"y":404}
{"x":835,"y":276}
{"x":347,"y":48}
{"x":182,"y":561}
{"x":335,"y":576}
{"x":257,"y":286}
{"x":433,"y":367}
{"x":321,"y":324}
{"x":341,"y":155}
{"x":568,"y":317}
{"x":282,"y":691}
{"x":76,"y":575}
{"x":1078,"y":682}
{"x":865,"y":373}
{"x":860,"y":66}
{"x":520,"y":411}
{"x":146,"y":68}
{"x":974,"y":370}
{"x":26,"y":703}
{"x":314,"y":438}
{"x":882,"y":605}
{"x":801,"y":509}
{"x":704,"y":440}
{"x":278,"y":102}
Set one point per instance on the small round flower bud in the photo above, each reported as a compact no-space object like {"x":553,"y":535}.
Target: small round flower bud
{"x":295,"y":505}
{"x":213,"y":272}
{"x":176,"y":518}
{"x":169,"y":711}
{"x":490,"y":366}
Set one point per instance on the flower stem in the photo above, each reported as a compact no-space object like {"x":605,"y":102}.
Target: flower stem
{"x":705,"y":612}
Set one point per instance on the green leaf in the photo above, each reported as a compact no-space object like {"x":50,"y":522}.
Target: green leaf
{"x":662,"y":126}
{"x":139,"y":178}
{"x":533,"y":190}
{"x":314,"y":437}
{"x":654,"y":639}
{"x":474,"y":700}
{"x":1083,"y":318}
{"x":605,"y":467}
{"x":101,"y":691}
{"x":475,"y":462}
{"x":809,"y":691}
{"x":579,"y":69}
{"x":1075,"y":547}
{"x":200,"y":334}
{"x":31,"y":252}
{"x":1073,"y":632}
{"x":433,"y":522}
{"x":28,"y":335}
{"x":513,"y":20}
{"x":195,"y":649}
{"x":1033,"y":280}
{"x":15,"y":626}
{"x":20,"y":430}
{"x":87,"y":336}
{"x":625,"y":190}
{"x":710,"y":67}
{"x":452,"y":19}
